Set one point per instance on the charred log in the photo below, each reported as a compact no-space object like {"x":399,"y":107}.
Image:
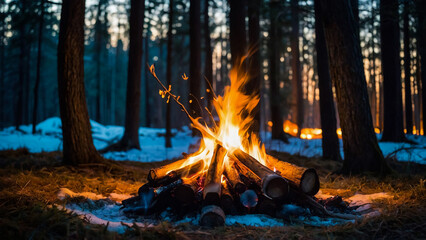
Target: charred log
{"x":231,"y":173}
{"x":212,"y":187}
{"x":212,"y":216}
{"x":273,"y":185}
{"x":186,"y":171}
{"x":305,"y":179}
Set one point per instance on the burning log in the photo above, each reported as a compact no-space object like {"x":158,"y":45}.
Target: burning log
{"x":305,"y":179}
{"x":266,"y":206}
{"x":150,"y":200}
{"x":176,"y":167}
{"x":185,"y":194}
{"x":248,"y":198}
{"x":212,"y":187}
{"x":231,"y":173}
{"x":227,"y":200}
{"x":273,"y":185}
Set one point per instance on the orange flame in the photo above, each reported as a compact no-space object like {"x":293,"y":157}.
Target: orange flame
{"x":235,"y":110}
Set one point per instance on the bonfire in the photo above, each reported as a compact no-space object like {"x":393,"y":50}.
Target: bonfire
{"x":231,"y":173}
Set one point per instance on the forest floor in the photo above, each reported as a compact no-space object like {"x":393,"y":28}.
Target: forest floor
{"x":30,"y":208}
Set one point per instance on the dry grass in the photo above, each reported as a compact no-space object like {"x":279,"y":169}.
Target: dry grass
{"x":29,"y":183}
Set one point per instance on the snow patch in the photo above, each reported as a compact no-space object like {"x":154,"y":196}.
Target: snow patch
{"x":49,"y":138}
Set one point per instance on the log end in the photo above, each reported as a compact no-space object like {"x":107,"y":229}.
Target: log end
{"x":212,"y":216}
{"x":309,"y":182}
{"x":211,"y":193}
{"x":274,"y":186}
{"x":249,"y":199}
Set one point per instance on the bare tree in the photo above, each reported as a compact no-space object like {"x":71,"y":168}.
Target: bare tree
{"x":169,"y":74}
{"x":297,"y":89}
{"x":130,"y":138}
{"x":393,"y":129}
{"x":39,"y":53}
{"x":362,"y":152}
{"x":77,"y":137}
{"x":275,"y":101}
{"x":254,"y":84}
{"x":407,"y":71}
{"x":208,"y":68}
{"x":195,"y":58}
{"x":237,"y":29}
{"x":330,"y":141}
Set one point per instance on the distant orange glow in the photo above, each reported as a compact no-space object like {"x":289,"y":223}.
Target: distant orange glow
{"x":316,"y":133}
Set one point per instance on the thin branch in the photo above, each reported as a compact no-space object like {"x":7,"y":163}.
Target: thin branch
{"x":205,"y":131}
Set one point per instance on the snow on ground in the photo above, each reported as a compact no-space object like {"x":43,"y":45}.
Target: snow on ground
{"x":312,"y":148}
{"x":49,"y":138}
{"x":98,"y":209}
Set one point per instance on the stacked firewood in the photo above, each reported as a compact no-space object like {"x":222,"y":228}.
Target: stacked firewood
{"x":242,"y":185}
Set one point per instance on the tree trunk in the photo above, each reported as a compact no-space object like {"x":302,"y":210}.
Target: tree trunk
{"x":77,"y":137}
{"x":407,"y":72}
{"x":373,"y":97}
{"x":276,"y":117}
{"x":237,"y":30}
{"x":208,"y":68}
{"x":330,"y":141}
{"x":37,"y":82}
{"x":355,"y":12}
{"x":362,"y":152}
{"x":99,"y":44}
{"x":131,"y":134}
{"x":393,"y":129}
{"x":2,"y":75}
{"x":169,"y":75}
{"x":421,"y":38}
{"x":254,"y":85}
{"x":195,"y":59}
{"x":147,"y":85}
{"x":297,"y":89}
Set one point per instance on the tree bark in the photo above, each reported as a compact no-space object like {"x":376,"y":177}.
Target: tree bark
{"x":407,"y":71}
{"x":131,"y":125}
{"x":237,"y":30}
{"x":168,"y":136}
{"x":393,"y":129}
{"x":147,"y":85}
{"x":297,"y":89}
{"x":373,"y":97}
{"x":99,"y":40}
{"x":208,"y":68}
{"x":355,"y":12}
{"x":254,"y":84}
{"x":362,"y":152}
{"x":421,"y":38}
{"x":77,"y":137}
{"x":37,"y":82}
{"x":195,"y":59}
{"x":275,"y":99}
{"x":19,"y":108}
{"x":330,"y":141}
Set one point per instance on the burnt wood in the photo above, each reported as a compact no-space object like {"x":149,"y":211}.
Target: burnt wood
{"x":273,"y":185}
{"x":212,"y":187}
{"x":304,"y":179}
